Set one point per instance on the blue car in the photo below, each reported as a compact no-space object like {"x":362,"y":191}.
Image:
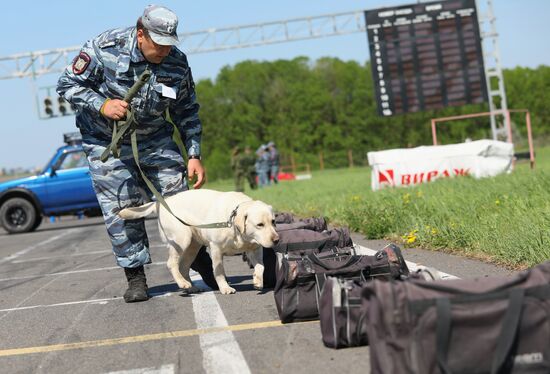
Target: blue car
{"x":63,"y":187}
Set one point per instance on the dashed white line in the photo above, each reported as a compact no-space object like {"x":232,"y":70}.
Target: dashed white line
{"x":70,"y":272}
{"x":33,"y":247}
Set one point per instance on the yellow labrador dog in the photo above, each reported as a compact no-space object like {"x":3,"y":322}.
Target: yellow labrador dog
{"x":251,"y":228}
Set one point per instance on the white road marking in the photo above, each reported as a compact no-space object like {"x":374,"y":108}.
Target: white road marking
{"x":74,"y":255}
{"x":33,"y":247}
{"x":91,"y":301}
{"x":62,"y":256}
{"x":196,"y":280}
{"x":164,"y":369}
{"x":221,"y":352}
{"x":70,"y":272}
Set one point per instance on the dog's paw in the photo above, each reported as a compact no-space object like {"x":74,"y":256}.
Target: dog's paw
{"x":191,"y":290}
{"x":184,"y":285}
{"x":227,"y":290}
{"x":258,"y":282}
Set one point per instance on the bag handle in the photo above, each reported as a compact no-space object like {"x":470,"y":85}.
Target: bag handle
{"x":313,"y":258}
{"x":506,"y":338}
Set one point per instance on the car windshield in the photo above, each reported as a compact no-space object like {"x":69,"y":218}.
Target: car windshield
{"x":48,"y":164}
{"x":73,"y":160}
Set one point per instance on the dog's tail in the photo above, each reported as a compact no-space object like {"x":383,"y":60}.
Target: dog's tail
{"x":138,"y":211}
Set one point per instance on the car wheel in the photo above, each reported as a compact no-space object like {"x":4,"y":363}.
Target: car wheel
{"x":18,"y":215}
{"x":37,"y":222}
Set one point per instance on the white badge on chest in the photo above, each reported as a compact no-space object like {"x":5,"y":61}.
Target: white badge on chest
{"x":169,"y":92}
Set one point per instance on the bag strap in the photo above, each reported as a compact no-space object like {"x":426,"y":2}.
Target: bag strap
{"x":506,"y":339}
{"x":161,"y":200}
{"x":298,"y":246}
{"x":314,"y":259}
{"x":443,"y":333}
{"x":509,"y":330}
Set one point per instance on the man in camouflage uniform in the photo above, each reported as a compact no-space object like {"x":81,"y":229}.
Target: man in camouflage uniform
{"x":239,"y":168}
{"x":273,"y":162}
{"x":250,"y":168}
{"x":99,"y":77}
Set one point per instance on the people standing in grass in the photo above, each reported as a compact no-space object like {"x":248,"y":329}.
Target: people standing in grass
{"x":239,"y":168}
{"x":273,"y":162}
{"x":249,"y":161}
{"x":262,"y":165}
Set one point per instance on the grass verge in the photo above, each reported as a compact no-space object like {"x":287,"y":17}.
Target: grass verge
{"x":504,"y":220}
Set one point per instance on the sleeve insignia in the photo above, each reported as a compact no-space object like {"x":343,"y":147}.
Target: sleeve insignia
{"x":81,"y":63}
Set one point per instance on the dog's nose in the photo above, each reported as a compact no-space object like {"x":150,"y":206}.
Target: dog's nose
{"x":275,"y":241}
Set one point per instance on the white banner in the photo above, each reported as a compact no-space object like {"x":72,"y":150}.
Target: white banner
{"x":406,"y":167}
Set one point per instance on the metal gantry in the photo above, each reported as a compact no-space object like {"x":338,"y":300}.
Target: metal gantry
{"x":496,"y":91}
{"x":34,"y":64}
{"x":38,"y":63}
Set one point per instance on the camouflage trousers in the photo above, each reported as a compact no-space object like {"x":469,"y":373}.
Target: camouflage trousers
{"x":118,"y":184}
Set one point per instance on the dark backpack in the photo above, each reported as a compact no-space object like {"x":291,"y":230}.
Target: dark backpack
{"x":485,"y":325}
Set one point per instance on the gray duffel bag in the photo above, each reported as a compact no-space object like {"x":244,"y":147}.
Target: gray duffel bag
{"x":485,"y":325}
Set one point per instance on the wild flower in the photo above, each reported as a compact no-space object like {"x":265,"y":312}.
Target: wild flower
{"x":410,"y":237}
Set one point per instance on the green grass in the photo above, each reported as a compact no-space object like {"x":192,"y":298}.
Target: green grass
{"x":505,"y":220}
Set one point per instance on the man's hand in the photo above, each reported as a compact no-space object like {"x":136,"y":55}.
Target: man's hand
{"x":114,"y":109}
{"x":195,"y":168}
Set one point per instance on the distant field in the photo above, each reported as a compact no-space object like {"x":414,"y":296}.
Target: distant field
{"x":5,"y":178}
{"x":505,"y":220}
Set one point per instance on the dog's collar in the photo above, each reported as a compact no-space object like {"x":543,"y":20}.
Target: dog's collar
{"x":233,"y":215}
{"x":231,"y":221}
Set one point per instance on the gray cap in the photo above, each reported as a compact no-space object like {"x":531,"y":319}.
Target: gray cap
{"x":161,"y":23}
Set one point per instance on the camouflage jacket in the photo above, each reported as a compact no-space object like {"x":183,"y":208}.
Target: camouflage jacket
{"x":108,"y":66}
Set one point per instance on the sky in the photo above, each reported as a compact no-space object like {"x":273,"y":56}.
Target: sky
{"x":27,"y":141}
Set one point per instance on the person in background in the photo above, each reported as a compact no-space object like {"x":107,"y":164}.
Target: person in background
{"x":273,"y":162}
{"x":239,"y":168}
{"x":262,"y":165}
{"x":250,"y":169}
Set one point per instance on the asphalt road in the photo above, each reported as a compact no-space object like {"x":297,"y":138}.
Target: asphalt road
{"x":61,"y":311}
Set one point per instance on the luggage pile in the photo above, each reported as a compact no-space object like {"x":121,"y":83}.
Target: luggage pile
{"x":413,"y":322}
{"x":308,"y":253}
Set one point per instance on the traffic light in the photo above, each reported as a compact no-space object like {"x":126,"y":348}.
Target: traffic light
{"x":62,"y":106}
{"x":48,"y":106}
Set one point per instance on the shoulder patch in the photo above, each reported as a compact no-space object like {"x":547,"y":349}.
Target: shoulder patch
{"x":81,"y":63}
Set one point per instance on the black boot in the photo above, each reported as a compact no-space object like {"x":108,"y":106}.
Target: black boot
{"x":137,"y":285}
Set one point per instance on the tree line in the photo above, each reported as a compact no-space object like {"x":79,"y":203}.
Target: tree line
{"x":327,"y":107}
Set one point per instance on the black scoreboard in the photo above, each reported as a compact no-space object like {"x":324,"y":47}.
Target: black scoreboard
{"x":426,"y":56}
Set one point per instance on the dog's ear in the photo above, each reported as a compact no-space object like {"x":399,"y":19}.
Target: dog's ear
{"x":240,"y":221}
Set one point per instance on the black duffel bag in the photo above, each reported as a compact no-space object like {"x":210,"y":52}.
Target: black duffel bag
{"x":286,"y":220}
{"x":483,"y":325}
{"x":302,"y":240}
{"x":301,"y":277}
